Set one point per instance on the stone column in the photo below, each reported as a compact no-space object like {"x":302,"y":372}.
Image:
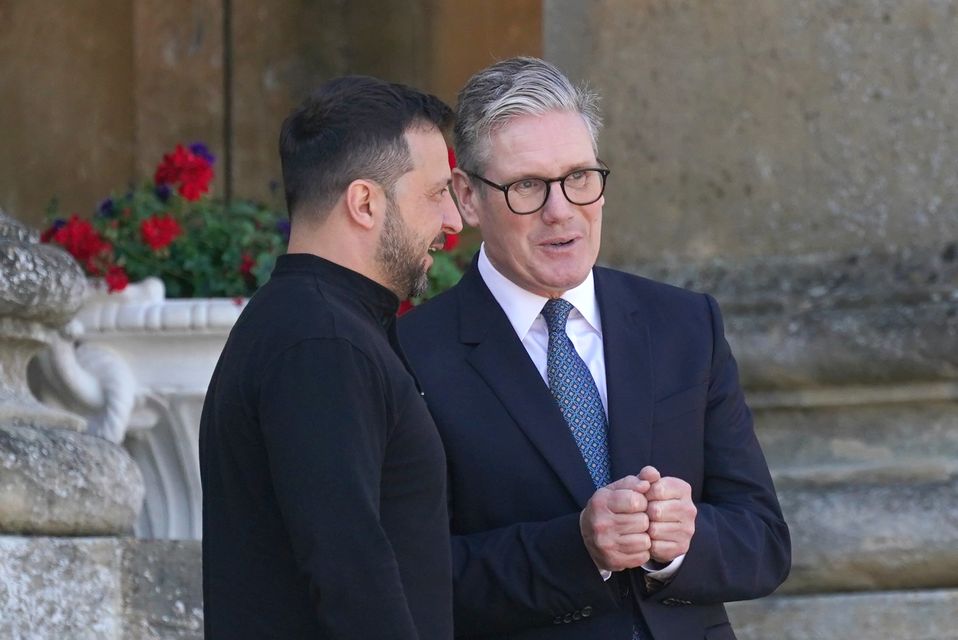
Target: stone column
{"x":796,"y":160}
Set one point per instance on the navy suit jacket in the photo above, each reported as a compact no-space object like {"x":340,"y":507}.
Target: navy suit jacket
{"x":517,"y":481}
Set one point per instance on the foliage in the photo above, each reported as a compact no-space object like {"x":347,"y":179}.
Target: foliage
{"x":197,"y":245}
{"x":447,"y":268}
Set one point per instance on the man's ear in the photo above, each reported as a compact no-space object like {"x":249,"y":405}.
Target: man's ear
{"x":467,"y":195}
{"x":365,"y":202}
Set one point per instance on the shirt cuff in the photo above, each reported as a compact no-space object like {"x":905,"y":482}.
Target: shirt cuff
{"x":656,"y":571}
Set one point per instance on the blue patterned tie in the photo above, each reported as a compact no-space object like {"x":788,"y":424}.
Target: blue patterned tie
{"x":574,"y":389}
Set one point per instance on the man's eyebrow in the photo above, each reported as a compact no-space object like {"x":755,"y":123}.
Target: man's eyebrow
{"x":572,"y":168}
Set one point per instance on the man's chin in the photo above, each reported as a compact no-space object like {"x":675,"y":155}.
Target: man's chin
{"x":421,"y":285}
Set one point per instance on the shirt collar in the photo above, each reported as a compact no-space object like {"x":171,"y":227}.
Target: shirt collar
{"x":523,"y":307}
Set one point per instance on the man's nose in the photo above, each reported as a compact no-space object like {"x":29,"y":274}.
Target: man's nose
{"x":557,"y":208}
{"x":451,"y":220}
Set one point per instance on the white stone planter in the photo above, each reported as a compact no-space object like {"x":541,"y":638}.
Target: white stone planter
{"x":138,"y":369}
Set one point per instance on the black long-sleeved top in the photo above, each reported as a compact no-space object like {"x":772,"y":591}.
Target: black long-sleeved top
{"x":324,"y":504}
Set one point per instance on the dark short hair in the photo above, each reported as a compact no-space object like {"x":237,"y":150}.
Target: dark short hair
{"x":352,"y":128}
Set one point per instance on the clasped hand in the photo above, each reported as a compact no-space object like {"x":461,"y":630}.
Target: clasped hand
{"x":638,"y":518}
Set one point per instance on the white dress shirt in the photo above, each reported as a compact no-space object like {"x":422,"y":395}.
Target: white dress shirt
{"x":584,"y":328}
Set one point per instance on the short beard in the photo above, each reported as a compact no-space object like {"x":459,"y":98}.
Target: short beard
{"x":399,"y":257}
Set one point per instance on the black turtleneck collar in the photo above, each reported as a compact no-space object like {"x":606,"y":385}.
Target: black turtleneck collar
{"x":375,"y":298}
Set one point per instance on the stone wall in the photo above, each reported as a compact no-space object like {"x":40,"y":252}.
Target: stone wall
{"x":100,"y":589}
{"x":756,"y":128}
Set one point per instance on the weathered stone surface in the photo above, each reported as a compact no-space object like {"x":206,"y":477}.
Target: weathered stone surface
{"x":58,"y":589}
{"x":901,"y":615}
{"x":52,"y":480}
{"x":40,"y":282}
{"x":162,"y":590}
{"x":100,"y":589}
{"x":756,"y":128}
{"x":859,"y":440}
{"x":893,"y":535}
{"x":41,"y":287}
{"x":57,"y":482}
{"x":875,"y":316}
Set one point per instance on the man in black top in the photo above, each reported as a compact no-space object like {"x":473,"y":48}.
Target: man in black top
{"x":324,"y":499}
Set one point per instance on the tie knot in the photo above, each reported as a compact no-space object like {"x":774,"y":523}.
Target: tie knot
{"x":556,"y":313}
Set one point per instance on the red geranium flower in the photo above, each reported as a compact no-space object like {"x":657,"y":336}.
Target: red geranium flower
{"x":246,"y":264}
{"x":452,"y":241}
{"x":158,"y":232}
{"x":191,"y":173}
{"x":49,"y":232}
{"x":116,"y":278}
{"x":83,"y":242}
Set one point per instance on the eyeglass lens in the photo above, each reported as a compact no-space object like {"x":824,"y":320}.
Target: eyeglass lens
{"x":580,"y":187}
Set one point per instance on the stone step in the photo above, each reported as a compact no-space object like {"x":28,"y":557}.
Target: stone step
{"x":882,"y":615}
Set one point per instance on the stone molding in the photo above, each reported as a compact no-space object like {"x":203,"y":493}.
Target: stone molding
{"x":880,"y":317}
{"x":144,"y":308}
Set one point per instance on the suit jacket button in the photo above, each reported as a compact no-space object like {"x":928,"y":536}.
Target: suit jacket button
{"x":586,"y":611}
{"x":576,"y":615}
{"x":670,"y":602}
{"x":568,"y":618}
{"x":557,"y":620}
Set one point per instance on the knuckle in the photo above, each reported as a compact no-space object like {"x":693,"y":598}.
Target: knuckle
{"x":604,"y":543}
{"x":601,"y":527}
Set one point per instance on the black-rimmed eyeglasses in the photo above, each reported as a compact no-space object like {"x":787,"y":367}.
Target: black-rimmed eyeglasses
{"x":528,"y":195}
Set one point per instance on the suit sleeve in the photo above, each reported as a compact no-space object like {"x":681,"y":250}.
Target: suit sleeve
{"x":525,"y":575}
{"x":325,"y":422}
{"x":741,"y":547}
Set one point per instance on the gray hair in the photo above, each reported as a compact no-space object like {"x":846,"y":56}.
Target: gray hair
{"x":510,"y":88}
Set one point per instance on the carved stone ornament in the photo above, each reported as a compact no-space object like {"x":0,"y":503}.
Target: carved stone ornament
{"x":54,"y":479}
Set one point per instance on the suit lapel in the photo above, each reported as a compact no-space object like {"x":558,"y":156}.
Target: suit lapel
{"x":503,"y":363}
{"x":629,"y":378}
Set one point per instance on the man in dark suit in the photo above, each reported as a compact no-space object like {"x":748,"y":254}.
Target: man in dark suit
{"x":605,"y":480}
{"x":324,"y":497}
